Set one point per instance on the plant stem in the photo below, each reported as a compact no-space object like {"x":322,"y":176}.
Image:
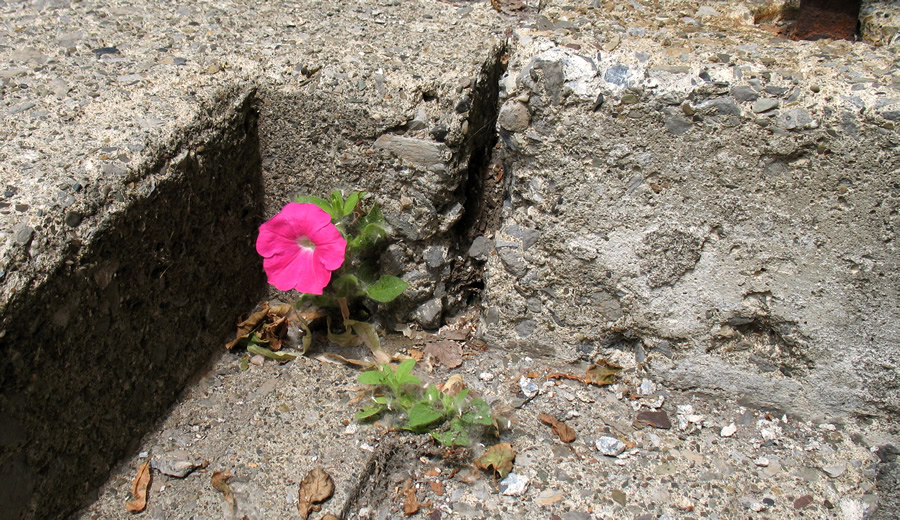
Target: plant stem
{"x":345,"y":310}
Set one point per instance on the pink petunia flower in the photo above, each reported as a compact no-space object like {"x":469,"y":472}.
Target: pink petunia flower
{"x":300,"y":247}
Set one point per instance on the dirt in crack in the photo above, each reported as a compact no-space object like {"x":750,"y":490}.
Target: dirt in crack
{"x":399,"y":459}
{"x":812,"y":19}
{"x":484,"y":190}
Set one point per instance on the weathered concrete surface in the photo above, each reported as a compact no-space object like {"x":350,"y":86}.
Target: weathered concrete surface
{"x":728,"y":201}
{"x":271,"y":424}
{"x":681,"y":184}
{"x":133,"y":183}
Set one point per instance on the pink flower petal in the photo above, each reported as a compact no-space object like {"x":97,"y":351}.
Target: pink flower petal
{"x":305,"y":218}
{"x":299,"y":272}
{"x":290,"y":266}
{"x":331,"y":247}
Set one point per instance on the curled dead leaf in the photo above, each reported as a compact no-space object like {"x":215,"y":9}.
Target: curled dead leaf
{"x":274,"y":324}
{"x":559,"y":428}
{"x":246,"y":327}
{"x":318,"y":486}
{"x":139,"y":489}
{"x":410,"y":502}
{"x":453,"y":385}
{"x":602,"y":373}
{"x":560,"y":375}
{"x":499,"y":458}
{"x":219,"y":481}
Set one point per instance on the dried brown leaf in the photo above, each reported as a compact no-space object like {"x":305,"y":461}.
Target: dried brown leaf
{"x":246,"y":327}
{"x":318,"y":486}
{"x":499,"y":458}
{"x":454,"y":334}
{"x":437,"y":488}
{"x":410,"y":502}
{"x":559,"y":428}
{"x":139,"y":489}
{"x":219,"y":482}
{"x":602,"y":373}
{"x":448,"y":353}
{"x":453,"y":385}
{"x":330,"y":357}
{"x":560,"y":375}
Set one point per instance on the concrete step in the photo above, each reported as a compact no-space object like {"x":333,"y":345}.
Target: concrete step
{"x":145,"y":143}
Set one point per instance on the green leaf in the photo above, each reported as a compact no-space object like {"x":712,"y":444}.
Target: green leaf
{"x":322,"y":203}
{"x":337,"y":205}
{"x":374,"y":216}
{"x":344,"y":339}
{"x":277,"y":356}
{"x":245,"y":360}
{"x":480,"y":413}
{"x":369,"y":411}
{"x":432,"y":394}
{"x":422,"y":415}
{"x":346,"y":286}
{"x":372,"y":377}
{"x":402,"y":375}
{"x":370,"y":233}
{"x":455,"y":436}
{"x":444,"y":438}
{"x":352,"y":201}
{"x":386,"y":288}
{"x":306,"y":340}
{"x":318,"y":300}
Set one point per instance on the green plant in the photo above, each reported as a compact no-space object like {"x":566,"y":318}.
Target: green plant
{"x":446,"y":416}
{"x":358,"y":277}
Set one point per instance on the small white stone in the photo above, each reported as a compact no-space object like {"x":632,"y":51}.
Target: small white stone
{"x":486,"y":376}
{"x":728,"y":431}
{"x":647,"y":387}
{"x":514,"y":485}
{"x":609,"y":446}
{"x":762,"y":462}
{"x":528,"y":387}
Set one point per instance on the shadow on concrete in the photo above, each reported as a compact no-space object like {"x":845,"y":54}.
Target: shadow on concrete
{"x":92,"y":358}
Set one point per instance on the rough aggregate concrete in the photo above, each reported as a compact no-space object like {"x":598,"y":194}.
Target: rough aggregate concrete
{"x":632,"y":221}
{"x":671,"y":206}
{"x":710,"y":458}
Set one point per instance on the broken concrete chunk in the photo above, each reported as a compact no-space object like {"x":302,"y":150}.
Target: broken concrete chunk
{"x":514,"y":116}
{"x":419,"y":152}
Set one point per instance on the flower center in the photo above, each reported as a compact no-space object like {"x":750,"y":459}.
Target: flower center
{"x":306,"y":243}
